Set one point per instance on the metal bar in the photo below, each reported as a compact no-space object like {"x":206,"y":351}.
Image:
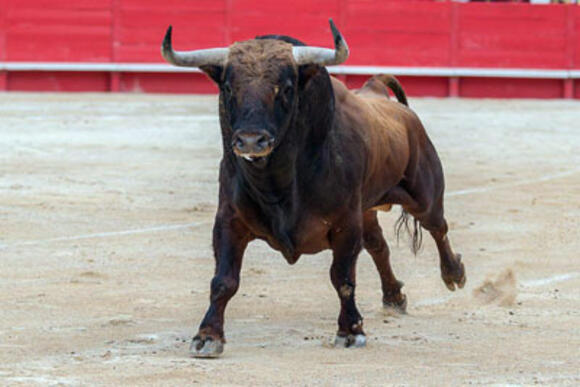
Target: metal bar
{"x":91,"y":67}
{"x":454,"y":72}
{"x":347,"y":70}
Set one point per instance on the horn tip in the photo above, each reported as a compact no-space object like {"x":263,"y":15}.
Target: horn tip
{"x":166,"y":46}
{"x":335,"y":32}
{"x":339,"y":42}
{"x":168,"y":32}
{"x":167,"y":38}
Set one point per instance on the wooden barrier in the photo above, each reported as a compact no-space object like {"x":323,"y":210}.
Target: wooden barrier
{"x":409,"y":34}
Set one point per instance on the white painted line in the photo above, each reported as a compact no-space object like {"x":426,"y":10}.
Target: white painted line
{"x":32,"y":150}
{"x":170,"y":227}
{"x":511,"y":185}
{"x":528,"y":284}
{"x":166,"y":227}
{"x":43,"y":380}
{"x":550,"y":280}
{"x":433,"y":301}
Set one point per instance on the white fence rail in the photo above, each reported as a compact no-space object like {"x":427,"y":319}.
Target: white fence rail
{"x":346,"y":70}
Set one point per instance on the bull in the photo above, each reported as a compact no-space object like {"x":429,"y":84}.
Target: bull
{"x":306,"y":165}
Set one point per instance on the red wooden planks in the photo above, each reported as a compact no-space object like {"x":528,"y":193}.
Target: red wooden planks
{"x":512,"y":35}
{"x":511,"y":88}
{"x":302,"y":19}
{"x":39,"y":30}
{"x":398,"y":33}
{"x":390,"y":32}
{"x":141,"y":26}
{"x":57,"y":81}
{"x":401,"y":33}
{"x":574,"y":36}
{"x":180,"y":83}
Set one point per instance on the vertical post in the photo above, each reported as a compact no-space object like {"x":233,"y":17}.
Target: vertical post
{"x":342,"y":14}
{"x":115,"y":82}
{"x":3,"y":74}
{"x":3,"y":80}
{"x":454,"y":47}
{"x":228,"y":22}
{"x":568,"y":88}
{"x":453,"y":87}
{"x":570,"y":48}
{"x":114,"y":76}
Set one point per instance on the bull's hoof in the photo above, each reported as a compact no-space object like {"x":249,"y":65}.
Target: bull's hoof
{"x":206,"y":347}
{"x":454,"y":276}
{"x":398,"y":305}
{"x":350,"y":341}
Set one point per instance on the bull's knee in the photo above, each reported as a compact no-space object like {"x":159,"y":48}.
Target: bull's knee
{"x":437,"y":229}
{"x":223,"y":287}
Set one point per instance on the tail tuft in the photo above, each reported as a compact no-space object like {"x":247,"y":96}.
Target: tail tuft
{"x":417,"y":234}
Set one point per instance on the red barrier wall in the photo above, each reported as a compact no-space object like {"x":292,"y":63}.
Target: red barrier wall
{"x":387,"y":33}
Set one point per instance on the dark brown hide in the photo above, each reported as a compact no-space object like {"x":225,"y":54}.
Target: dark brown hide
{"x":339,"y":156}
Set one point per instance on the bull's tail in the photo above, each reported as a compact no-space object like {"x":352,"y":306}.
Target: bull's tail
{"x":416,"y":236}
{"x":392,"y":83}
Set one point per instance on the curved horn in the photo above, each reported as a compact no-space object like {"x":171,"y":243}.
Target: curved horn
{"x":196,"y":58}
{"x":323,"y":56}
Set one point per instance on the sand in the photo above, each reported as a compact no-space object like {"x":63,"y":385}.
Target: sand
{"x":106,"y":209}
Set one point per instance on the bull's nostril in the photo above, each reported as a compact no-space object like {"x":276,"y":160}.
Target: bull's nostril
{"x":238,"y":143}
{"x":251,"y":143}
{"x":263,"y":142}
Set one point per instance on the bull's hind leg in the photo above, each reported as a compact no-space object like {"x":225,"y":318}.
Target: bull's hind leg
{"x":420,"y":204}
{"x":375,"y":244}
{"x":452,"y":269}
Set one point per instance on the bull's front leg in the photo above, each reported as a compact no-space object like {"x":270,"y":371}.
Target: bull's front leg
{"x":230,"y":238}
{"x":346,"y":243}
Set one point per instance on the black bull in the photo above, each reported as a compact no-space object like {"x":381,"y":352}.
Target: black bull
{"x":307,"y":164}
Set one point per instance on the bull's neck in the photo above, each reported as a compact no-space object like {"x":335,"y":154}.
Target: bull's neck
{"x":273,"y":190}
{"x":273,"y":184}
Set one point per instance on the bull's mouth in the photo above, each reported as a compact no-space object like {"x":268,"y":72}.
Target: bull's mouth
{"x":257,"y":159}
{"x":253,"y":147}
{"x":252,"y":158}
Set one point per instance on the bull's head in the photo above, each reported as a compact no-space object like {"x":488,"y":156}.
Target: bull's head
{"x":259,"y":85}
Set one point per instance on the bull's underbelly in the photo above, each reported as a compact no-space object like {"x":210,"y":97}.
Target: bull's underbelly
{"x":384,"y":207}
{"x":310,"y":237}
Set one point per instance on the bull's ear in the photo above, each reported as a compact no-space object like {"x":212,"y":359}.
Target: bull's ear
{"x":214,"y":72}
{"x":306,"y":73}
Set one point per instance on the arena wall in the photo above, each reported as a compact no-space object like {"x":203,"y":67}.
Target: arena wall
{"x":437,"y":48}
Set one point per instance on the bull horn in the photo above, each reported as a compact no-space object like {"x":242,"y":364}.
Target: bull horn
{"x":196,"y":58}
{"x":323,"y":56}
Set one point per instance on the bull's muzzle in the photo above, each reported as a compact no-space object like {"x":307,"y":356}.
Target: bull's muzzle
{"x":252,"y":145}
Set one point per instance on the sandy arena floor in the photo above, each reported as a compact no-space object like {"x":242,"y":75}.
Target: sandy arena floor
{"x":106,"y":208}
